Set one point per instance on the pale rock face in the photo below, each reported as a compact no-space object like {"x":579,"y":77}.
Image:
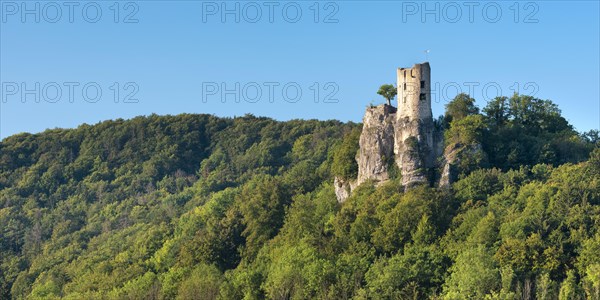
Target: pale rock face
{"x":387,"y":139}
{"x":446,"y":175}
{"x":413,"y":148}
{"x":376,"y":144}
{"x":450,"y":161}
{"x":343,"y":188}
{"x":451,"y":158}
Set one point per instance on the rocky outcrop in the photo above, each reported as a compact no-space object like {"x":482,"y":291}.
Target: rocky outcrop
{"x":412,"y":146}
{"x":414,"y":151}
{"x":453,"y":161}
{"x":376,"y":151}
{"x":343,"y":188}
{"x":387,"y":142}
{"x":411,"y":164}
{"x":376,"y":144}
{"x":406,"y":139}
{"x":449,"y":170}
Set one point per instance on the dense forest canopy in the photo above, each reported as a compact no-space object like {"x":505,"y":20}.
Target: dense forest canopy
{"x":201,"y":207}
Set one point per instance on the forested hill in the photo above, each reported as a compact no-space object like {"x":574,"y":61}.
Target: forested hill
{"x":201,"y":207}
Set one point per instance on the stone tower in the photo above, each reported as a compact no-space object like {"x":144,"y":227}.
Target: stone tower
{"x":414,"y":136}
{"x":414,"y":92}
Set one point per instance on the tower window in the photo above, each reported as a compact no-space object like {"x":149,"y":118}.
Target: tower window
{"x":422,"y":84}
{"x":405,"y":86}
{"x":404,"y":99}
{"x":422,"y":97}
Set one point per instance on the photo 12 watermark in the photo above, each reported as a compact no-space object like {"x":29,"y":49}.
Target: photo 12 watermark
{"x":269,"y":12}
{"x":69,"y":92}
{"x":469,"y":11}
{"x":446,"y":91}
{"x":269,"y":91}
{"x":69,"y":12}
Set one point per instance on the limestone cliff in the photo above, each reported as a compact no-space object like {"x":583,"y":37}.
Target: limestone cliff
{"x":343,"y":188}
{"x":458,"y":156}
{"x":376,"y":143}
{"x":376,"y":150}
{"x":413,"y":151}
{"x":386,"y":142}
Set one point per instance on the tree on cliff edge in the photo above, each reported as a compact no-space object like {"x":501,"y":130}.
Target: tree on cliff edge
{"x":388,"y":92}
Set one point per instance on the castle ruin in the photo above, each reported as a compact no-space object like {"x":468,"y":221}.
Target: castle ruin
{"x":405,"y":137}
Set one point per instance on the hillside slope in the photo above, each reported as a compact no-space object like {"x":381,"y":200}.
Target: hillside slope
{"x":165,"y":207}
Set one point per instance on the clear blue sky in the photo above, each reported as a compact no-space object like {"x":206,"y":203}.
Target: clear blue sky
{"x":177,"y":46}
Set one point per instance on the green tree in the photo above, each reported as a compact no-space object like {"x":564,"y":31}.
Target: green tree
{"x":473,"y":275}
{"x":297,"y":272}
{"x":496,"y":111}
{"x":344,"y":158}
{"x":388,"y":91}
{"x":204,"y":282}
{"x":460,"y":107}
{"x":262,"y":204}
{"x":466,"y":131}
{"x":570,"y":289}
